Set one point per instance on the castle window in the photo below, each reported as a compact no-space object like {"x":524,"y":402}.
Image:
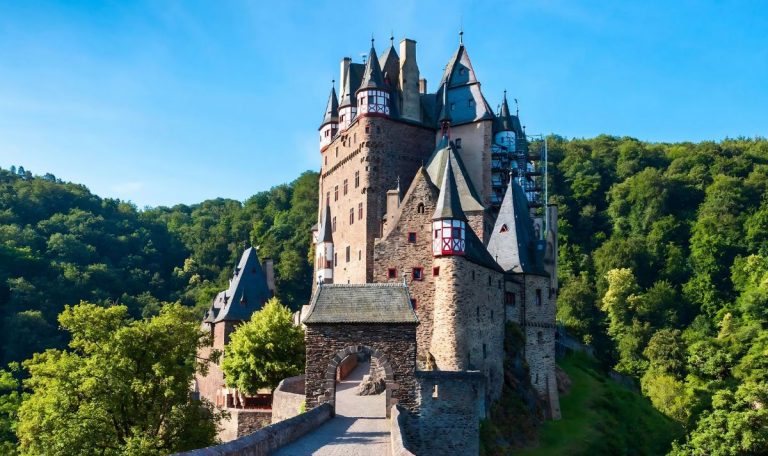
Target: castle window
{"x":420,"y":208}
{"x":412,"y":237}
{"x":473,"y":275}
{"x":357,"y":179}
{"x":509,"y":298}
{"x":540,"y":337}
{"x":470,"y":102}
{"x":489,"y":280}
{"x":335,"y":259}
{"x":491,"y":315}
{"x":453,"y":106}
{"x":326,"y":160}
{"x":360,"y":211}
{"x":327,"y":198}
{"x":378,"y":129}
{"x":336,"y":193}
{"x":462,"y":70}
{"x":367,"y":129}
{"x":328,"y":264}
{"x":435,"y":392}
{"x":413,"y":303}
{"x":359,"y":254}
{"x":458,"y":143}
{"x":333,"y":225}
{"x":504,"y":228}
{"x":345,"y":186}
{"x":347,"y":254}
{"x":538,"y":296}
{"x":478,"y":313}
{"x":391,"y":273}
{"x":351,"y":215}
{"x":418,"y":273}
{"x":436,"y":271}
{"x":485,"y":351}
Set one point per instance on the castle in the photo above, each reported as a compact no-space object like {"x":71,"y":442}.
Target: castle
{"x":433,"y":233}
{"x":437,"y":191}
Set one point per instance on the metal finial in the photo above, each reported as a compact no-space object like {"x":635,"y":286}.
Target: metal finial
{"x":372,"y":40}
{"x":392,"y":37}
{"x":505,"y":94}
{"x":333,"y":83}
{"x":461,"y":36}
{"x":517,"y":108}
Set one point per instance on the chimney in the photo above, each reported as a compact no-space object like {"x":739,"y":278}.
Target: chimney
{"x":409,"y":81}
{"x":269,"y":271}
{"x":422,"y":85}
{"x":343,"y":70}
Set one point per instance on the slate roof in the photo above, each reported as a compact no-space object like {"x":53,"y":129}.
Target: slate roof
{"x":436,"y":164}
{"x":325,"y":232}
{"x":516,"y":248}
{"x":247,"y":292}
{"x":352,"y":78}
{"x":448,"y":205}
{"x":460,"y":84}
{"x":506,"y":121}
{"x":372,"y":78}
{"x":331,"y":109}
{"x":361,"y":303}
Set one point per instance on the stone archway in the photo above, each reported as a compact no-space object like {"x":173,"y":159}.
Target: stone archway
{"x":382,"y":363}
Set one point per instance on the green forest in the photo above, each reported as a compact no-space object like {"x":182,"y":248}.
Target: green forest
{"x":663,"y":265}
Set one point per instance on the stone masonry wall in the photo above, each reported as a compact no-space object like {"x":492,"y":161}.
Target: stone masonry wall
{"x":539,"y":327}
{"x":393,"y":344}
{"x":469,"y":320}
{"x":451,"y":407}
{"x":288,"y":398}
{"x":380,"y":150}
{"x":209,"y":385}
{"x":394,"y":251}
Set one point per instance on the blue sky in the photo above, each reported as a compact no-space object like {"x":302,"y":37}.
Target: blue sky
{"x":164,"y":102}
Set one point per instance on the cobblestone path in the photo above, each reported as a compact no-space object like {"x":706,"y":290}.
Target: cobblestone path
{"x":359,"y":428}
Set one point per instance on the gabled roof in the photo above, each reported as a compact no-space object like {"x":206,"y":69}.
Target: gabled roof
{"x":372,"y":78}
{"x":389,"y":60}
{"x":448,"y":205}
{"x":351,"y":81}
{"x":513,"y":242}
{"x":444,"y":152}
{"x":361,"y":303}
{"x":248,"y":290}
{"x":324,"y":234}
{"x":459,"y":70}
{"x":331,"y":109}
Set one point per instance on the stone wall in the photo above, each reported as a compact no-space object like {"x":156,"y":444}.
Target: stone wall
{"x":270,"y":438}
{"x":539,"y":327}
{"x":243,"y":422}
{"x":209,"y":385}
{"x":346,"y":366}
{"x":469,"y":320}
{"x":448,"y":419}
{"x":380,"y":150}
{"x":288,"y":398}
{"x":394,"y":251}
{"x":394,"y":346}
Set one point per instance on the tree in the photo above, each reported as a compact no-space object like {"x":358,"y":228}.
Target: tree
{"x":10,"y":400}
{"x":121,"y":388}
{"x":264,"y":350}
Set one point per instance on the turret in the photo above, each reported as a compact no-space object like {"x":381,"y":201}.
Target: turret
{"x":372,"y":96}
{"x":330,"y":125}
{"x":506,"y":127}
{"x":324,"y":249}
{"x":449,"y":224}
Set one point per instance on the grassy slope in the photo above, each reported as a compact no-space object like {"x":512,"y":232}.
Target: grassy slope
{"x":601,"y":417}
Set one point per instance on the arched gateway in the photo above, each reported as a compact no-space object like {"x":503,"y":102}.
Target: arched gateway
{"x":375,"y":319}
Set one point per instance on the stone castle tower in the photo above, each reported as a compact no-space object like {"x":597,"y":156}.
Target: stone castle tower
{"x":438,"y":190}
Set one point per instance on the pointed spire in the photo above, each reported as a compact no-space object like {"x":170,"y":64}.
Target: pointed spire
{"x":505,"y":120}
{"x":448,"y":203}
{"x":513,"y":239}
{"x":372,"y":78}
{"x":325,"y":231}
{"x":332,"y":107}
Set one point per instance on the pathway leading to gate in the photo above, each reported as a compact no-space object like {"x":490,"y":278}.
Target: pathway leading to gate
{"x":359,"y":428}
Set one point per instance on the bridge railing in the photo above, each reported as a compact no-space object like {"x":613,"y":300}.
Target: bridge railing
{"x":270,"y":438}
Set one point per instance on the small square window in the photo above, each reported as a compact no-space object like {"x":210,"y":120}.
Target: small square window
{"x":413,"y":303}
{"x":538,"y":297}
{"x":391,"y":273}
{"x":509,"y":298}
{"x":412,"y":237}
{"x":418,"y":273}
{"x":436,"y":271}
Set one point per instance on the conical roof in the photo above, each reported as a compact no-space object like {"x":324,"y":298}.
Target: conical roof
{"x":372,"y":77}
{"x":353,"y":74}
{"x":513,"y":241}
{"x":325,"y":231}
{"x":448,"y":203}
{"x":506,"y":121}
{"x":436,"y":164}
{"x":331,"y":109}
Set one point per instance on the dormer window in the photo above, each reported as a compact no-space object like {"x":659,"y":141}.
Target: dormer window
{"x":504,"y":228}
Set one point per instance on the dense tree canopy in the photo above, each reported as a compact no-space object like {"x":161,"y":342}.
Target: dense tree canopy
{"x":264,"y":350}
{"x":121,"y":388}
